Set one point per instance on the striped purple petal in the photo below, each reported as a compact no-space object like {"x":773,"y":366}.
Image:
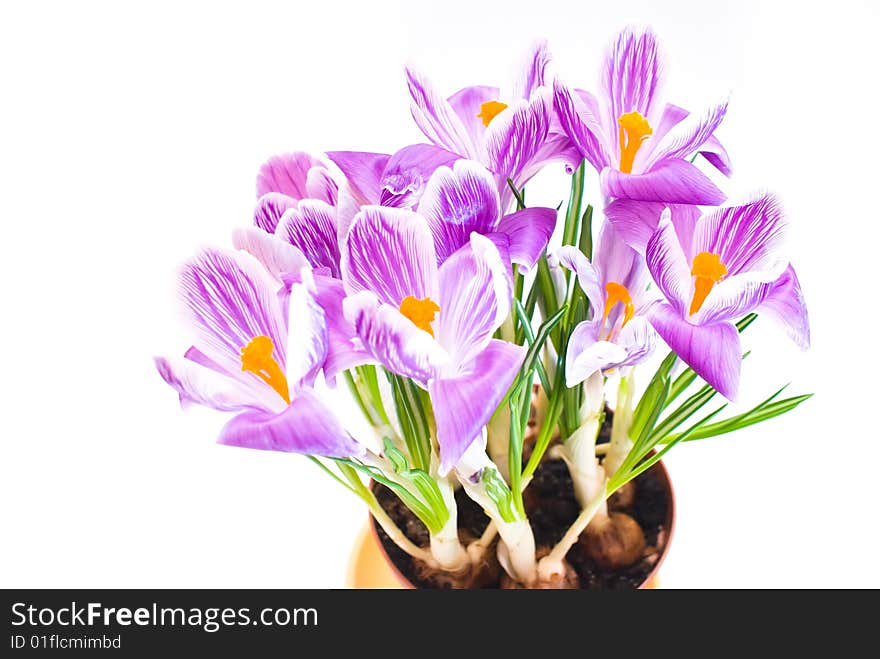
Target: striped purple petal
{"x":363,"y":172}
{"x":407,"y":172}
{"x":687,"y":136}
{"x":435,"y":117}
{"x":532,"y":74}
{"x":631,"y":73}
{"x":277,"y":255}
{"x":476,"y":292}
{"x":307,"y":339}
{"x":581,"y":124}
{"x":785,"y":304}
{"x":320,"y":185}
{"x":458,"y":201}
{"x":198,"y":385}
{"x":516,"y":135}
{"x":528,"y":231}
{"x":390,"y":252}
{"x":588,"y":277}
{"x":287,"y":174}
{"x":711,"y":150}
{"x":636,"y":221}
{"x":587,"y":354}
{"x":306,"y":426}
{"x":669,"y":266}
{"x":464,"y":404}
{"x":671,"y":181}
{"x":713,"y":351}
{"x":467,"y":104}
{"x":392,"y":339}
{"x":270,"y":209}
{"x":311,"y":227}
{"x":230,"y":299}
{"x":748,"y":238}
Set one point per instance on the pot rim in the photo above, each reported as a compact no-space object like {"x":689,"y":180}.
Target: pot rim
{"x":651,"y":576}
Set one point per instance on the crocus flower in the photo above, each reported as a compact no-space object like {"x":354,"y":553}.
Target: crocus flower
{"x":727,"y":264}
{"x":297,"y":196}
{"x":640,"y":147}
{"x":512,"y":133}
{"x":248,"y":358}
{"x":464,"y":199}
{"x":615,"y":283}
{"x":431,"y":324}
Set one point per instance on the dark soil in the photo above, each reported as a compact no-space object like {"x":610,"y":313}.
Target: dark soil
{"x":551,"y":508}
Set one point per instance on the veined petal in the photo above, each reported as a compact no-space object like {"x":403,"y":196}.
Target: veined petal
{"x":308,"y":340}
{"x":670,"y":181}
{"x":587,"y":354}
{"x":581,"y":124}
{"x":668,"y":264}
{"x":638,"y":339}
{"x":407,"y":172}
{"x":631,"y":73}
{"x":687,"y":136}
{"x":588,"y":277}
{"x":270,"y":208}
{"x":457,"y":202}
{"x":363,"y":173}
{"x":393,"y":339}
{"x":287,"y":174}
{"x":231,"y":299}
{"x":785,"y":304}
{"x":711,"y":150}
{"x":306,"y":426}
{"x":731,"y":299}
{"x":636,"y":221}
{"x":615,"y":261}
{"x":277,"y":255}
{"x":516,"y":135}
{"x":198,"y":385}
{"x":476,"y":292}
{"x":467,"y":104}
{"x":713,"y":351}
{"x":435,"y":117}
{"x":532,"y":73}
{"x":748,"y":238}
{"x":528,"y":231}
{"x":320,"y":185}
{"x":464,"y":404}
{"x":390,"y":252}
{"x":311,"y":227}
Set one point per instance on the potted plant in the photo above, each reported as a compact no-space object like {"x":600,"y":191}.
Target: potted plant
{"x":513,"y":444}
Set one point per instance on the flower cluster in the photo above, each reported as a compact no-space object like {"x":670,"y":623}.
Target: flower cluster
{"x":423,"y":280}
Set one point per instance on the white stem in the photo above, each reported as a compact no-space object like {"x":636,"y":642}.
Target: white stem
{"x":397,"y":536}
{"x":498,"y":440}
{"x":621,"y":444}
{"x":553,"y":563}
{"x":517,"y":547}
{"x":445,"y":544}
{"x":477,"y":549}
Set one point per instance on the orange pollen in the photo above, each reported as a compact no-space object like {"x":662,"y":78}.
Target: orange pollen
{"x":489,"y":110}
{"x":256,"y":357}
{"x":634,"y":129}
{"x":421,"y":312}
{"x":618,"y":293}
{"x":708,"y":270}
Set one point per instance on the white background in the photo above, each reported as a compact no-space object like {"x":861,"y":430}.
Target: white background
{"x":131,"y":135}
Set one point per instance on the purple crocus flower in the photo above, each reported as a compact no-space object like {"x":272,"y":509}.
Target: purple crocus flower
{"x":432,"y":324}
{"x":248,"y":359}
{"x":464,"y":199}
{"x":639,"y":147}
{"x":512,"y":133}
{"x":615,"y":283}
{"x":723,"y":266}
{"x":297,"y":203}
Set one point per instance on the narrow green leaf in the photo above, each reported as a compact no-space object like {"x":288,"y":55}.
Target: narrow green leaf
{"x":500,"y":494}
{"x":518,"y":194}
{"x":586,"y":241}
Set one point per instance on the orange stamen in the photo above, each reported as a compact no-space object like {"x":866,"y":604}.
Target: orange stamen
{"x":618,"y":293}
{"x":489,"y":110}
{"x":256,"y":357}
{"x":421,"y":312}
{"x":708,"y":270}
{"x":634,"y":129}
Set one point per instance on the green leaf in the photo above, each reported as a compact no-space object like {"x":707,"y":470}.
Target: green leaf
{"x":498,"y":491}
{"x":586,"y":241}
{"x":684,"y":411}
{"x":573,"y":212}
{"x":649,"y":407}
{"x":536,"y":343}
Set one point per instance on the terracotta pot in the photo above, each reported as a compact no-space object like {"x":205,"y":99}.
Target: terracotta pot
{"x":370,"y":567}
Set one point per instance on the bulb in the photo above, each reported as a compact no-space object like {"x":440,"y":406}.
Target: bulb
{"x":614,"y":542}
